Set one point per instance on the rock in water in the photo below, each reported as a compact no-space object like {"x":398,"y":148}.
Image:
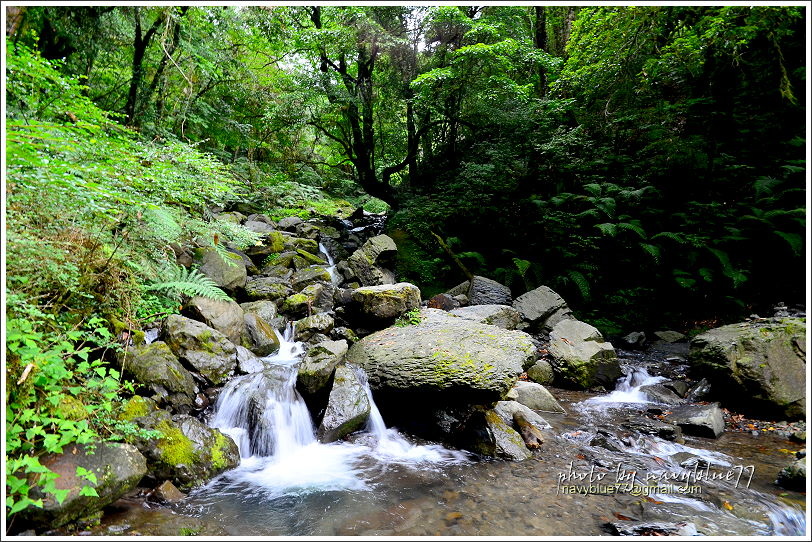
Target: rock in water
{"x":699,"y":420}
{"x":760,"y":368}
{"x":458,"y":358}
{"x":318,"y":366}
{"x":537,"y":397}
{"x":118,"y":469}
{"x":793,"y":476}
{"x":581,"y":358}
{"x":260,"y":337}
{"x":492,"y":436}
{"x":541,"y":372}
{"x":224,"y":316}
{"x":348,"y":407}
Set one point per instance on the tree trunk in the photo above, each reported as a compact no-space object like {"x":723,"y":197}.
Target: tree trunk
{"x":140,"y":44}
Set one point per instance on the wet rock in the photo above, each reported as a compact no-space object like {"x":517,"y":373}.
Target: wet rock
{"x":311,"y":259}
{"x":264,"y":309}
{"x":297,"y":243}
{"x":344,"y":333}
{"x":188,"y":453}
{"x":677,"y":386}
{"x":118,"y":469}
{"x":308,"y":230}
{"x":494,"y":437}
{"x":541,"y":372}
{"x":371,"y":263}
{"x":259,"y":336}
{"x":660,"y":394}
{"x":698,"y":391}
{"x":313,"y":299}
{"x":310,"y":326}
{"x":224,"y":316}
{"x":443,"y":302}
{"x":507,"y":409}
{"x":608,"y":441}
{"x":537,"y":397}
{"x":484,"y":291}
{"x":503,"y":316}
{"x":383,"y":304}
{"x":443,"y":354}
{"x":155,"y":367}
{"x":461,"y":288}
{"x":270,"y":288}
{"x":318,"y":365}
{"x":669,"y":336}
{"x":793,"y":476}
{"x":699,"y":420}
{"x":542,"y":308}
{"x":581,"y":358}
{"x":247,"y":361}
{"x":204,"y":348}
{"x":647,"y":426}
{"x":652,"y":528}
{"x":309,"y":275}
{"x":348,"y":407}
{"x":289,"y":223}
{"x":229,"y":275}
{"x":167,"y":493}
{"x":759,"y":368}
{"x":635,"y":339}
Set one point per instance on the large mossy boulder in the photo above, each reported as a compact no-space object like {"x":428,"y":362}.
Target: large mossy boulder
{"x":446,"y":356}
{"x":348,"y":406}
{"x":758,"y":368}
{"x":580,"y":357}
{"x":372,"y":262}
{"x":385,"y":303}
{"x":204,"y":348}
{"x":156,"y":368}
{"x":259,"y":337}
{"x":188,"y":452}
{"x":542,"y":308}
{"x":224,"y":316}
{"x":503,"y":316}
{"x":267,"y":288}
{"x":318,"y":365}
{"x":118,"y":469}
{"x":230,"y":274}
{"x":264,"y":309}
{"x":309,"y":275}
{"x":306,"y":328}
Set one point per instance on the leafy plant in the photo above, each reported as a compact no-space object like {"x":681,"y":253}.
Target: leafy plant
{"x":409,"y":318}
{"x":180,"y":281}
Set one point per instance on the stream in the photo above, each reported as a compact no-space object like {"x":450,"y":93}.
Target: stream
{"x":380,"y":482}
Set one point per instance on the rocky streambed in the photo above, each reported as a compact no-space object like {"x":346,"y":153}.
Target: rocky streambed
{"x":328,"y":399}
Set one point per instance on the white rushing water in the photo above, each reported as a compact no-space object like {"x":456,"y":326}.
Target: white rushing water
{"x":627,"y":389}
{"x":331,"y":266}
{"x":280,"y":455}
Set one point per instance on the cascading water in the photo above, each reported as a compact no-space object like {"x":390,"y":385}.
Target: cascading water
{"x":627,"y":389}
{"x":331,"y":267}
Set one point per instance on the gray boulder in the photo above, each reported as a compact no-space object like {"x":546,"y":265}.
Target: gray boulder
{"x":699,"y":420}
{"x":371,"y":263}
{"x":258,"y":227}
{"x":313,"y":299}
{"x":669,"y":336}
{"x":484,"y":291}
{"x":444,"y":354}
{"x":793,"y":476}
{"x":259,"y":337}
{"x":503,"y":316}
{"x":386,"y":302}
{"x":228,"y":275}
{"x":661,"y":394}
{"x":309,"y":275}
{"x":542,"y":308}
{"x":271,"y":288}
{"x":155,"y":367}
{"x":507,"y":409}
{"x":758,"y":367}
{"x":581,"y":358}
{"x":118,"y":469}
{"x":204,"y":348}
{"x":635,"y":339}
{"x":289,"y":223}
{"x":306,"y":328}
{"x":536,"y":397}
{"x":264,"y":309}
{"x":348,"y":406}
{"x":318,"y":365}
{"x":541,"y":372}
{"x":224,"y":316}
{"x":649,"y":426}
{"x":247,"y":361}
{"x":496,"y":438}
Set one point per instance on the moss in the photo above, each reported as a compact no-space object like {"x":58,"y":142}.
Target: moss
{"x":275,"y":241}
{"x":72,"y":408}
{"x":135,"y":408}
{"x":176,"y":448}
{"x":294,"y":300}
{"x":218,"y":456}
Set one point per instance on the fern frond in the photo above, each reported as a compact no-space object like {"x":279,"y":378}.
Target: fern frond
{"x":229,"y":257}
{"x":607,"y":228}
{"x":652,"y":250}
{"x":593,"y":189}
{"x":474,"y":255}
{"x":633,"y":226}
{"x":521,"y":265}
{"x":676,"y":237}
{"x":727,"y":268}
{"x":189,"y":282}
{"x":795,"y":241}
{"x":581,"y":282}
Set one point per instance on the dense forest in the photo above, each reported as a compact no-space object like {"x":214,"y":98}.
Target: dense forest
{"x":647,"y":162}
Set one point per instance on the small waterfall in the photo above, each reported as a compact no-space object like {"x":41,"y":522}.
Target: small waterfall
{"x":331,"y":267}
{"x":627,"y":389}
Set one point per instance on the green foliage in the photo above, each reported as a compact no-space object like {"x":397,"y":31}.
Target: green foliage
{"x":409,"y":318}
{"x":179,"y":281}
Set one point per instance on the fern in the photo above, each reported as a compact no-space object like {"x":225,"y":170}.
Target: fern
{"x":607,"y":228}
{"x":676,"y":237}
{"x":796,"y":242}
{"x":727,"y":268}
{"x":652,"y":250}
{"x":581,"y":282}
{"x":180,"y":281}
{"x":229,"y":257}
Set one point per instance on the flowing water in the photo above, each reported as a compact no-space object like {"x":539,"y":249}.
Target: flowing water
{"x":382,"y":483}
{"x":331,"y":266}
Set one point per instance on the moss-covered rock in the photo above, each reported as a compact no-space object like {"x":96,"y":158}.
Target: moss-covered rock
{"x":503,"y":316}
{"x":756,"y":367}
{"x":311,"y":259}
{"x":224,"y":316}
{"x":348,"y":406}
{"x":205,"y":349}
{"x":270,"y":288}
{"x":307,"y":327}
{"x":188,"y":452}
{"x":259,"y":336}
{"x":318,"y":365}
{"x":385,"y":303}
{"x":309,"y":275}
{"x":491,"y":436}
{"x":229,"y":275}
{"x":580,"y":356}
{"x":462,"y":360}
{"x":372,"y":262}
{"x":155,"y":367}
